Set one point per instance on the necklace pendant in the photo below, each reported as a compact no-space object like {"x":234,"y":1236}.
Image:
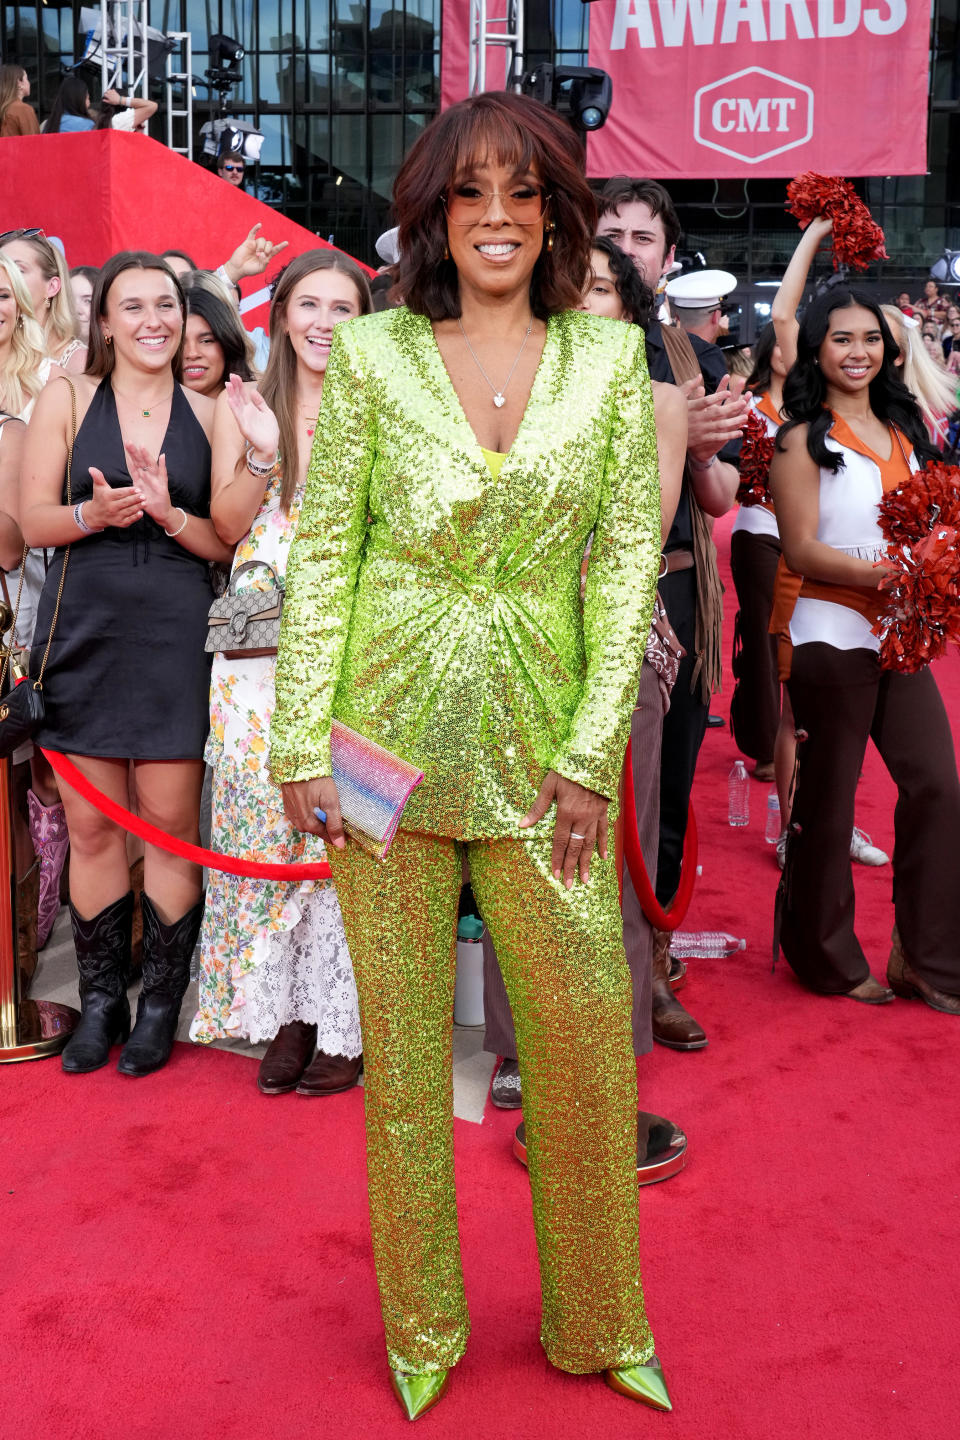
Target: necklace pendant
{"x":499,"y":400}
{"x":145,"y":414}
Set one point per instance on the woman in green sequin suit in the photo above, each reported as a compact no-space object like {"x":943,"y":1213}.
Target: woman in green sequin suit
{"x":467,"y":446}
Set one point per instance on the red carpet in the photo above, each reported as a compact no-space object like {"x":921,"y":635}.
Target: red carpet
{"x":183,"y":1259}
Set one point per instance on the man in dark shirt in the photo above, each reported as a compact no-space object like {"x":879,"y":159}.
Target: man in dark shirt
{"x":638,"y":215}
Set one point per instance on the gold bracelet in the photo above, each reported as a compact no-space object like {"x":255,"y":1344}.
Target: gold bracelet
{"x":172,"y":534}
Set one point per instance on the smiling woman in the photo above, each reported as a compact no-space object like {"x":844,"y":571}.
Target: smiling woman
{"x":215,"y":343}
{"x":116,"y":477}
{"x":467,"y":445}
{"x":274,"y":963}
{"x":853,"y":432}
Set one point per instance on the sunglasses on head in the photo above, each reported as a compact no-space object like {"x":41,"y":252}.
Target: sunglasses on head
{"x":21,"y":235}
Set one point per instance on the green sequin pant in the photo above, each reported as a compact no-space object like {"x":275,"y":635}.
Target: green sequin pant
{"x":561,"y":954}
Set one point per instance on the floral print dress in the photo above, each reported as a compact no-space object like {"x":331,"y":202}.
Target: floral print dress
{"x":271,"y":951}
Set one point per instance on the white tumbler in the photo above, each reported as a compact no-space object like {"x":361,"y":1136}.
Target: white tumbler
{"x":468,"y":995}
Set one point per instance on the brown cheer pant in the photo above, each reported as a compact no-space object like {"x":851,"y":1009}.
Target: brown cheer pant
{"x":755,"y":705}
{"x":645,"y":728}
{"x":840,"y":699}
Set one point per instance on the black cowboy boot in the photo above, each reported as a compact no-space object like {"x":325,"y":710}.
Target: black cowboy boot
{"x":103,"y":955}
{"x":167,"y":952}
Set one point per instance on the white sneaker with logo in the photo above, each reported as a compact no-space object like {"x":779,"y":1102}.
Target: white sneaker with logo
{"x":864,"y":852}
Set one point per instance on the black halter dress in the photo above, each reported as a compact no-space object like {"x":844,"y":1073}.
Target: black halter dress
{"x":127,"y":675}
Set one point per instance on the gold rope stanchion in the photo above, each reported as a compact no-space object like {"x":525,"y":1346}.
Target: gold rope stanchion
{"x":29,"y":1029}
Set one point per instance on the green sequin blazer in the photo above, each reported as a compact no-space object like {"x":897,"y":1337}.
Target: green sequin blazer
{"x":438,"y":610}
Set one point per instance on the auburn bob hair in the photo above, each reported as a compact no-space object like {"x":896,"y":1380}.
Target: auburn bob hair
{"x":503,"y":128}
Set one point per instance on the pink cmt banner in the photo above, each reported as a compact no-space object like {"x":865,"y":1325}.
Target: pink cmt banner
{"x":707,"y":88}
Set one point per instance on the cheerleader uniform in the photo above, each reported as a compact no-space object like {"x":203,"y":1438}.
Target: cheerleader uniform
{"x":841,"y":697}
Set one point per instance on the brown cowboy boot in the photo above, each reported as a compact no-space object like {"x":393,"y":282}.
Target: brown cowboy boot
{"x":672,"y":1024}
{"x":905,"y":982}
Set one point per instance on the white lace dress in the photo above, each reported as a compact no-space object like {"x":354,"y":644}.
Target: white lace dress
{"x":271,"y":951}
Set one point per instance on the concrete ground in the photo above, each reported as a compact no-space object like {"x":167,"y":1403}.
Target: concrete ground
{"x":56,"y":979}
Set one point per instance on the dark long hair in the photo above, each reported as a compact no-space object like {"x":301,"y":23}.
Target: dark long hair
{"x":71,"y":99}
{"x":513,"y":130}
{"x":638,"y":299}
{"x":205,"y":297}
{"x":761,"y":376}
{"x":805,"y":389}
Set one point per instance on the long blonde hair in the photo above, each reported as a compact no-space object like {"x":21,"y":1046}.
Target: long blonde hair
{"x":60,"y":321}
{"x":20,"y":378}
{"x":932,"y":387}
{"x":279,"y":384}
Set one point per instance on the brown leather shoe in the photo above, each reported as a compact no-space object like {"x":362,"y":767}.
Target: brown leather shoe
{"x":288,"y":1055}
{"x":870,"y":992}
{"x":672,"y":1024}
{"x":330,"y":1074}
{"x":904,"y":981}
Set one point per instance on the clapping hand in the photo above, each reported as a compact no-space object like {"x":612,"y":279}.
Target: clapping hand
{"x":252,"y":255}
{"x":150,"y":479}
{"x":116,"y":506}
{"x":581,"y":824}
{"x":255,"y":420}
{"x":713,"y":420}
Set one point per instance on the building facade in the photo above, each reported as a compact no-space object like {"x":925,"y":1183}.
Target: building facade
{"x":341,"y":88}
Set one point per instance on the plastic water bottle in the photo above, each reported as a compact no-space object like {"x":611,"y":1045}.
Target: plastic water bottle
{"x":738,"y":787}
{"x":704,"y":945}
{"x":772,"y":833}
{"x":468,"y":994}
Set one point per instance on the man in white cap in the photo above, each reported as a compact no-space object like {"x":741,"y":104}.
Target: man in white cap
{"x":696,"y":301}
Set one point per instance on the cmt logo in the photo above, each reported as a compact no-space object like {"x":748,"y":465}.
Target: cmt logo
{"x":753,"y":115}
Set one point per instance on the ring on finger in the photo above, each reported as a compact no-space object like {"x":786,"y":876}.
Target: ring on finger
{"x":575,"y":836}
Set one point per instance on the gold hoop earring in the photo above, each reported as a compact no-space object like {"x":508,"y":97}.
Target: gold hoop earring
{"x":550,"y":229}
{"x":446,"y":252}
{"x":108,"y":339}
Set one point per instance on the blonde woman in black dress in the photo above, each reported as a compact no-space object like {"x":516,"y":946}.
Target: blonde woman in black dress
{"x":127,"y":677}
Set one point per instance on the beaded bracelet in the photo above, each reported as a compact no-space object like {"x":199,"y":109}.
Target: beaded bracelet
{"x":173,"y":533}
{"x":262,"y":472}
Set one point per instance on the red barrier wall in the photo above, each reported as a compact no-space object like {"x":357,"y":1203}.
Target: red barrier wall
{"x":104,"y":190}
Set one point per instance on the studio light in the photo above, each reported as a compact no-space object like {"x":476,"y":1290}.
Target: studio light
{"x":226,"y":57}
{"x":582,"y":94}
{"x":947,"y":268}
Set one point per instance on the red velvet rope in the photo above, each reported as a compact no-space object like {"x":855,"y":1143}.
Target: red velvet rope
{"x":659,"y":918}
{"x":255,"y":869}
{"x":320,"y":870}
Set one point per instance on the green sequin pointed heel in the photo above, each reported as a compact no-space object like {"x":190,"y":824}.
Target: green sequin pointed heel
{"x":642,"y":1382}
{"x":417,"y":1393}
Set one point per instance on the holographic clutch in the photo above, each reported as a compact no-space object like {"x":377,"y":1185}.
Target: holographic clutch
{"x":374,"y":786}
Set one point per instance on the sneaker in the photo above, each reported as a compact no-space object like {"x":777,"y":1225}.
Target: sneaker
{"x":862,"y":851}
{"x":782,"y":849}
{"x":505,"y":1089}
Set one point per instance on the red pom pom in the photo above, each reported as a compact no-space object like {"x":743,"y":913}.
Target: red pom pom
{"x":756,"y":452}
{"x":920,"y":520}
{"x":857,"y":238}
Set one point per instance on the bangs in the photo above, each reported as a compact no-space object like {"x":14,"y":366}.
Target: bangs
{"x":486,"y":136}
